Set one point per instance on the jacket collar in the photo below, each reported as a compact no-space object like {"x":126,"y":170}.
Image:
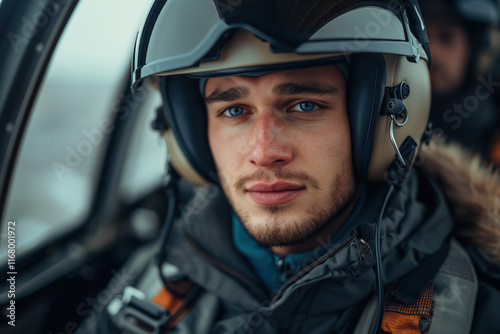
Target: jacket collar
{"x":413,"y":227}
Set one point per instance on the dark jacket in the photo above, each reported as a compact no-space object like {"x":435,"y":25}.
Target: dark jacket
{"x":337,"y":293}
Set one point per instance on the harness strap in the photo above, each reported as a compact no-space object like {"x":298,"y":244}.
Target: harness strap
{"x":410,"y":287}
{"x":455,"y":291}
{"x":408,"y":301}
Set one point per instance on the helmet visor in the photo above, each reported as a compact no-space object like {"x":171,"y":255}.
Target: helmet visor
{"x":180,"y":34}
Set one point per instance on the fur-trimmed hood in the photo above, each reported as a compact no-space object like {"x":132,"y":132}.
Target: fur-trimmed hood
{"x":473,"y":191}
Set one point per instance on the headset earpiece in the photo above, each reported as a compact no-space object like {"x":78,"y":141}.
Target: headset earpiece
{"x":416,"y":99}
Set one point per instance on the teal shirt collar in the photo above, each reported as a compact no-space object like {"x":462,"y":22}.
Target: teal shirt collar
{"x":275,"y":270}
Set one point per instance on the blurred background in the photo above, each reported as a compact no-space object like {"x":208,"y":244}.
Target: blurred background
{"x":74,"y":111}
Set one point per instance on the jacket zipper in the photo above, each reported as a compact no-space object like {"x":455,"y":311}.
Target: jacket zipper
{"x":366,"y":253}
{"x":282,"y":271}
{"x":316,"y":263}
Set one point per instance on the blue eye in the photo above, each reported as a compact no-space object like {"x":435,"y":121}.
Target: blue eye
{"x":233,"y":111}
{"x":305,"y":106}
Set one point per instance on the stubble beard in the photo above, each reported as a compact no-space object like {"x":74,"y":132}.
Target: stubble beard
{"x":279,"y":230}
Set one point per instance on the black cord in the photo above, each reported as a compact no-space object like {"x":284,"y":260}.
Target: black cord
{"x":171,"y":192}
{"x":380,"y":279}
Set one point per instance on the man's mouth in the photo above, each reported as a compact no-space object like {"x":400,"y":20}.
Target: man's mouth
{"x":275,"y":193}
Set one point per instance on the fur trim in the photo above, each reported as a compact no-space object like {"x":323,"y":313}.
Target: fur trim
{"x":472,"y":189}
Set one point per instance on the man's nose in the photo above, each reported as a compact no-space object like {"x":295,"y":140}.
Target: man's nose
{"x":269,"y":145}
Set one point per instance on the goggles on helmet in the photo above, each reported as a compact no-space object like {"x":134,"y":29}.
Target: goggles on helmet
{"x":298,"y":26}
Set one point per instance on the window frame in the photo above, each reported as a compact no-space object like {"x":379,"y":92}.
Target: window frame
{"x":24,"y":71}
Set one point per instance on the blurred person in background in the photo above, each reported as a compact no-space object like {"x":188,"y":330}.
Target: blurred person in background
{"x":465,"y":82}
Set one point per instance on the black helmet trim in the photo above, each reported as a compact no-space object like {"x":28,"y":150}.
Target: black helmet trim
{"x":160,"y":47}
{"x":366,"y":90}
{"x":271,"y":67}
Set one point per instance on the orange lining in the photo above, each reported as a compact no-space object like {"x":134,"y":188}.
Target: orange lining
{"x":166,"y":300}
{"x":401,"y":324}
{"x":402,"y":318}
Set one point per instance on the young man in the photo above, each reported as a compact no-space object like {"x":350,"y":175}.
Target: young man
{"x":307,"y":117}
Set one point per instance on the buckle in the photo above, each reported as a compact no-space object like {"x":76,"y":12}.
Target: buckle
{"x":133,"y":314}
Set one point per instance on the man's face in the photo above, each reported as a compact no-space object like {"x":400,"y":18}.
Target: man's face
{"x":450,"y":55}
{"x":281,"y":144}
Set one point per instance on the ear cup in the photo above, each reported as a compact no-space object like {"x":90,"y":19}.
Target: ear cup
{"x":416,"y":75}
{"x":185,"y":113}
{"x":366,"y":88}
